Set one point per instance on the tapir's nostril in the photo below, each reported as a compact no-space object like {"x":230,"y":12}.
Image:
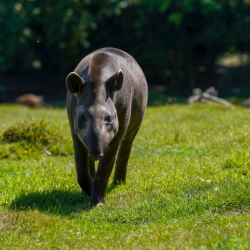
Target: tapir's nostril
{"x":95,"y":157}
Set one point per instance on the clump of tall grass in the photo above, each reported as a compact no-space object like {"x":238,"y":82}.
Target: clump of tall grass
{"x":35,"y":132}
{"x":28,"y":137}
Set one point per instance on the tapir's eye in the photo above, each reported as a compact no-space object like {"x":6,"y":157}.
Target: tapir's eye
{"x":82,"y":122}
{"x":108,"y":120}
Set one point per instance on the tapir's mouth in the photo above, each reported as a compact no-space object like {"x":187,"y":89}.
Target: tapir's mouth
{"x":96,"y":157}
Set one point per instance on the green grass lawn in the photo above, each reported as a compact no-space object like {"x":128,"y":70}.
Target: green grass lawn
{"x":188,"y":183}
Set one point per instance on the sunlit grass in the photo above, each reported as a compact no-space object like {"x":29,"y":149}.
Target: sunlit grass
{"x":187,"y":185}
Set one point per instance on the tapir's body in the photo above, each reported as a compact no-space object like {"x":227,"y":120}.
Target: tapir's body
{"x":105,"y":114}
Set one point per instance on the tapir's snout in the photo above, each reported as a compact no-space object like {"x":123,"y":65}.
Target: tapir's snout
{"x":96,"y":157}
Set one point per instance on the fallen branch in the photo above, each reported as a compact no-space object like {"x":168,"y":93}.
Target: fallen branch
{"x":216,"y":99}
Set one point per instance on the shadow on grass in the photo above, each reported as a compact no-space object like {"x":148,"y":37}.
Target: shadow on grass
{"x":111,"y":187}
{"x":56,"y":202}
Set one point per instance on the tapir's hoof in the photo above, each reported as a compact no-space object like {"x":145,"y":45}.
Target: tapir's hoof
{"x":118,"y":182}
{"x":98,"y":203}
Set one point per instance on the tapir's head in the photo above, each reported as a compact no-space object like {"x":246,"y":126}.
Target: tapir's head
{"x":95,"y":118}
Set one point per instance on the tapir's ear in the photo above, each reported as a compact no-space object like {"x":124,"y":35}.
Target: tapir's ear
{"x":74,"y":83}
{"x":115,"y":82}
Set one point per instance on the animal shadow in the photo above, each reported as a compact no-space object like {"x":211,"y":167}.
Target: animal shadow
{"x":113,"y":186}
{"x":56,"y":202}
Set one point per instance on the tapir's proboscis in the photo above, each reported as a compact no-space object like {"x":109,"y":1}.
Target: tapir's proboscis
{"x":106,"y":101}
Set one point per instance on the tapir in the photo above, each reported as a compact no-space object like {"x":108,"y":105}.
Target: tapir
{"x":106,"y":101}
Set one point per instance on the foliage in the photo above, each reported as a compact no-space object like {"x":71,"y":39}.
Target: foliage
{"x":187,"y":186}
{"x":176,"y":42}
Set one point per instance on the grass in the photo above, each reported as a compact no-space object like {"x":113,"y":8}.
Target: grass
{"x":187,"y":186}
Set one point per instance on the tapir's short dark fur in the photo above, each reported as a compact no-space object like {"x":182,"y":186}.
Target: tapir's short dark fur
{"x":106,"y":101}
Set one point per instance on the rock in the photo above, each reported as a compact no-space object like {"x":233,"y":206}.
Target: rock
{"x":211,"y":91}
{"x":30,"y":100}
{"x":246,"y":103}
{"x":196,"y":91}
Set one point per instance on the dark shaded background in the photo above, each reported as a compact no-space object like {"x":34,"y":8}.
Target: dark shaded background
{"x":179,"y":44}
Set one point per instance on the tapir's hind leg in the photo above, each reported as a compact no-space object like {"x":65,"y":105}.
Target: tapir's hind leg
{"x":121,"y":164}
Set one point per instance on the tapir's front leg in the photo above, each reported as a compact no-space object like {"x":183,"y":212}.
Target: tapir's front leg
{"x":103,"y":173}
{"x":84,"y":167}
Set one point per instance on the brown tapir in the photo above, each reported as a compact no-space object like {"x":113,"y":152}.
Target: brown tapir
{"x":106,"y":101}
